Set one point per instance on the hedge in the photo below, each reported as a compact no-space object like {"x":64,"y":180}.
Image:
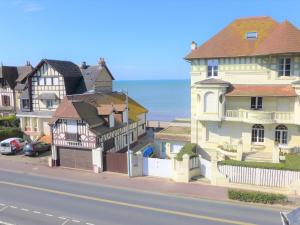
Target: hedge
{"x":188,"y":148}
{"x":292,"y":162}
{"x":9,"y":121}
{"x":10,"y":132}
{"x":256,"y":196}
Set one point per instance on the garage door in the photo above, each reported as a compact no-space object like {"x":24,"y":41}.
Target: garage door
{"x":76,"y":158}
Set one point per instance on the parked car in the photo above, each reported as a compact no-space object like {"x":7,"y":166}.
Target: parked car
{"x":12,"y":145}
{"x":36,"y":148}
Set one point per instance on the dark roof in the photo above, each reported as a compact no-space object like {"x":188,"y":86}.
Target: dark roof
{"x":212,"y":81}
{"x":92,"y":73}
{"x":272,"y":38}
{"x":71,"y":73}
{"x":23,"y":72}
{"x":10,"y":74}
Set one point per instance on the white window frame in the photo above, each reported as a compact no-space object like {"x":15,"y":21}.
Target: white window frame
{"x":281,"y":135}
{"x":256,"y":105}
{"x":251,"y":35}
{"x":258,"y":134}
{"x":212,"y":67}
{"x":71,"y":126}
{"x":41,"y":81}
{"x":48,"y":81}
{"x":49,"y":106}
{"x":284,"y":72}
{"x":55,"y":81}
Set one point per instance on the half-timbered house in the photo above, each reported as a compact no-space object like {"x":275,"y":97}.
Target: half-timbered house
{"x":9,"y":76}
{"x":90,"y":121}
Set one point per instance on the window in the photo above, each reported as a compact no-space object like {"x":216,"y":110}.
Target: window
{"x":210,"y":102}
{"x":256,"y":102}
{"x":251,"y":35}
{"x":41,"y":81}
{"x":284,"y":67}
{"x":25,"y":103}
{"x":49,"y":103}
{"x":281,"y":134}
{"x":55,"y":80}
{"x":132,"y":137}
{"x":5,"y":100}
{"x":212,"y":67}
{"x":109,"y":144}
{"x":258,"y":133}
{"x":49,"y":81}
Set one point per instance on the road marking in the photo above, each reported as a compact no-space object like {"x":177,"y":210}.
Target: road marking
{"x":36,"y":212}
{"x":2,"y":204}
{"x":76,"y":221}
{"x":47,"y":214}
{"x":132,"y":205}
{"x":65,"y":222}
{"x":62,"y":218}
{"x":89,"y":224}
{"x":25,"y":210}
{"x":5,"y":223}
{"x":13,"y":207}
{"x":3,"y":208}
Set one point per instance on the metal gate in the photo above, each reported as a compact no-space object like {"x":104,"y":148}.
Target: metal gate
{"x":76,"y":158}
{"x":115,"y":162}
{"x":157,"y":167}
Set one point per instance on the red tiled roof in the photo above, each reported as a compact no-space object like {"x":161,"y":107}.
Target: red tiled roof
{"x":231,"y":41}
{"x":262,"y":90}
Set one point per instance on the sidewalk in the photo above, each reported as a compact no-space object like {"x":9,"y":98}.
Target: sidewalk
{"x":148,"y":184}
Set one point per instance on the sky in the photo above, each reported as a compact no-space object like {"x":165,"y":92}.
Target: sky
{"x":139,"y":39}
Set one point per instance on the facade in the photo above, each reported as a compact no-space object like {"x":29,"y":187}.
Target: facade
{"x":10,"y":76}
{"x":86,"y":122}
{"x":245,"y":88}
{"x":47,"y":85}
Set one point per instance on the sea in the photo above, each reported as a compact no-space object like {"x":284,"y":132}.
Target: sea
{"x":165,"y":99}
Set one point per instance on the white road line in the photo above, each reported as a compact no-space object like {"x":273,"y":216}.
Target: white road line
{"x":89,"y":224}
{"x":4,"y":223}
{"x":13,"y":207}
{"x":25,"y":210}
{"x":47,"y":214}
{"x":36,"y":212}
{"x":65,"y":222}
{"x":2,"y":204}
{"x":62,"y":218}
{"x":3,"y":208}
{"x":76,"y":221}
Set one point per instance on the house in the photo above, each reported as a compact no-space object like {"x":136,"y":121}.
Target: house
{"x":245,"y":89}
{"x":86,"y":122}
{"x":170,"y":140}
{"x":47,"y":85}
{"x":10,"y":76}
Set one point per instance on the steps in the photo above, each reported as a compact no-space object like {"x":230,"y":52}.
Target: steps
{"x":258,"y":156}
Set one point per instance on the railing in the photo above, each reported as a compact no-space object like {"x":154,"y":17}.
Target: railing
{"x":259,"y":116}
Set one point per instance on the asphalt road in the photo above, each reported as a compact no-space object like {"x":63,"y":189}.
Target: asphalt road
{"x":32,"y":200}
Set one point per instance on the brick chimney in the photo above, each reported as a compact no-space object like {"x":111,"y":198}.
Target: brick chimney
{"x":101,"y":62}
{"x":193,"y":45}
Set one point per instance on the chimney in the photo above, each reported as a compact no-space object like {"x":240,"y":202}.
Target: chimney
{"x":28,"y":63}
{"x":193,"y":45}
{"x":101,"y":62}
{"x":83,"y":65}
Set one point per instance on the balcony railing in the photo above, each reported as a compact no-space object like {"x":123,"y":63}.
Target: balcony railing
{"x":71,"y":136}
{"x":256,"y":116}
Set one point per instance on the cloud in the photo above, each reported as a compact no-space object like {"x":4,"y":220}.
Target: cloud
{"x":32,"y":7}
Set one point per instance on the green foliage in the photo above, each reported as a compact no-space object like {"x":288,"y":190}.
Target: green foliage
{"x":256,"y":196}
{"x":188,"y":148}
{"x":10,"y":132}
{"x":292,"y":162}
{"x":9,"y":121}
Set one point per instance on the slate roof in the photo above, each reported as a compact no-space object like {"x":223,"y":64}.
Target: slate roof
{"x":272,"y":38}
{"x":10,"y":75}
{"x":74,"y":82}
{"x":278,"y":90}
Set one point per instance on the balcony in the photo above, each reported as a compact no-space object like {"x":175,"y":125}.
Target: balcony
{"x":71,"y":137}
{"x":261,"y":117}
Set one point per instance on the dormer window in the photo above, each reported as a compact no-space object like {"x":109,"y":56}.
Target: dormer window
{"x":212,"y":67}
{"x":284,"y":66}
{"x":251,"y":35}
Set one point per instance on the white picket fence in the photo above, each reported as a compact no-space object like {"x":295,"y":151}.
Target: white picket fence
{"x":260,"y":177}
{"x":157,"y":167}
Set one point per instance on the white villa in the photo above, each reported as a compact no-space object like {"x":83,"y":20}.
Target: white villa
{"x":245,"y":90}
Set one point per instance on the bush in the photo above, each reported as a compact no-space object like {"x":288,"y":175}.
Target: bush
{"x":188,"y":148}
{"x":9,"y":121}
{"x":292,"y":162}
{"x":256,"y":196}
{"x":10,"y":132}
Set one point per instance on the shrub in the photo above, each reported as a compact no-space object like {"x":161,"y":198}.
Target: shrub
{"x":10,"y":132}
{"x":188,"y":148}
{"x":9,"y":121}
{"x":256,"y":196}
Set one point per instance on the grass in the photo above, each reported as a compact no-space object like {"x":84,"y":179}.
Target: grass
{"x":292,"y":162}
{"x":256,"y":196}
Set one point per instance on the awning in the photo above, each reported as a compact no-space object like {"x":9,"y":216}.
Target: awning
{"x":47,"y":96}
{"x":276,"y":90}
